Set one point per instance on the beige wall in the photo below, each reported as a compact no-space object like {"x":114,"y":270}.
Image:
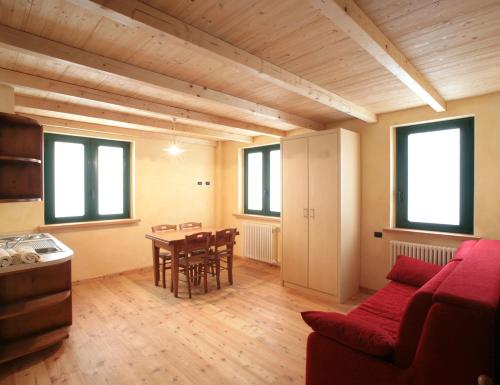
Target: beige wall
{"x":229,"y":199}
{"x":165,"y":192}
{"x":376,"y":178}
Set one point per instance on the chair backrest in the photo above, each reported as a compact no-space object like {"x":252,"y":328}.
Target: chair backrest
{"x":225,"y":238}
{"x":190,"y":225}
{"x":199,"y":242}
{"x":158,"y":228}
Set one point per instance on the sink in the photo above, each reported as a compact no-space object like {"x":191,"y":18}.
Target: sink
{"x":41,"y":242}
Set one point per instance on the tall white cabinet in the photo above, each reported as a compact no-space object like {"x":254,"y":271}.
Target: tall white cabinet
{"x":320,"y":215}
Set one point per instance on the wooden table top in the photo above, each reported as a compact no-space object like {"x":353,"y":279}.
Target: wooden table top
{"x":170,"y":236}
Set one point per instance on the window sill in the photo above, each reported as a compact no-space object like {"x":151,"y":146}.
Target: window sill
{"x":431,"y":233}
{"x":263,"y":218}
{"x":81,"y":225}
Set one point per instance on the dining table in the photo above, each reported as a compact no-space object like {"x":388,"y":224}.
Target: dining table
{"x":173,"y":241}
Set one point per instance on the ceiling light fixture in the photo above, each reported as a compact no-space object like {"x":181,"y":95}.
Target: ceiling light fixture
{"x":174,"y":149}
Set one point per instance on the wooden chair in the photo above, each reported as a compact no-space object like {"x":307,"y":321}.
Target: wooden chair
{"x":223,"y":251}
{"x":165,"y":255}
{"x":195,"y":259}
{"x":190,"y":225}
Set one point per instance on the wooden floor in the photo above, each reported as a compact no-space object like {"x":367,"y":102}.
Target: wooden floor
{"x":127,"y":331}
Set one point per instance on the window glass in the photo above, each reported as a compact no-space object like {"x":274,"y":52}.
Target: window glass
{"x":434,"y":177}
{"x":110,"y":180}
{"x":69,"y":179}
{"x":255,"y":181}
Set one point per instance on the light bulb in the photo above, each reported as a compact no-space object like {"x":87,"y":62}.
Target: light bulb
{"x":174,"y":150}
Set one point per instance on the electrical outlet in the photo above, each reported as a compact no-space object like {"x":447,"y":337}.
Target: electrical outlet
{"x":378,"y":234}
{"x":200,"y":183}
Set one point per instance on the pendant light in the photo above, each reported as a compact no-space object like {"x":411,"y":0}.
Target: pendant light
{"x":174,"y":149}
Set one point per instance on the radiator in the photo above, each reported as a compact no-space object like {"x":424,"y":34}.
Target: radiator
{"x":260,"y":242}
{"x":438,"y":255}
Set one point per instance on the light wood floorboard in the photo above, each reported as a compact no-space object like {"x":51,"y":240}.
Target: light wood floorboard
{"x":127,"y":331}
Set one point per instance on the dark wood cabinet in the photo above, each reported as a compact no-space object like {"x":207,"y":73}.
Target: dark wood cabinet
{"x":35,"y":308}
{"x":21,"y":154}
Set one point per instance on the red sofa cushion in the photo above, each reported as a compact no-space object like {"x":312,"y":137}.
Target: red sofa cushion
{"x":475,"y":283}
{"x":414,"y":317}
{"x":386,"y":307}
{"x":412,"y":271}
{"x":351,"y":331}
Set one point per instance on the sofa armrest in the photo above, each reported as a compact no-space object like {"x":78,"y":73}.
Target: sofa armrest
{"x":352,"y":332}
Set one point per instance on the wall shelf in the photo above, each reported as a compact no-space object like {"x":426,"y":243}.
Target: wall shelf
{"x":21,"y":159}
{"x":8,"y":158}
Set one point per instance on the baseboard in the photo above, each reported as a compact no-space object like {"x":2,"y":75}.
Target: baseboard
{"x":365,"y":290}
{"x":257,"y":261}
{"x":100,"y":277}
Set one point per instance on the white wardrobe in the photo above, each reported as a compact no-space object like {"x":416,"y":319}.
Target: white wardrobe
{"x":320,"y":217}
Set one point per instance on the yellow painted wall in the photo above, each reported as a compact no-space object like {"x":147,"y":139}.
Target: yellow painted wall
{"x":229,"y":200}
{"x":376,"y":178}
{"x":165,"y":192}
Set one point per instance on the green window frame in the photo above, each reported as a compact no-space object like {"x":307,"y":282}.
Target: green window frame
{"x":91,"y":146}
{"x":466,"y":222}
{"x":266,"y":171}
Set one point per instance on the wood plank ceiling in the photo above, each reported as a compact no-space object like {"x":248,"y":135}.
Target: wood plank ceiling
{"x":454,"y":45}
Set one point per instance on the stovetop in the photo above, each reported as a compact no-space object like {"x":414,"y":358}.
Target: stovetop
{"x":43,"y":243}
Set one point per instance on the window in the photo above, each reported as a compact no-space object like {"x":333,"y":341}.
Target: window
{"x":86,"y":179}
{"x":263,"y":180}
{"x":435,"y":176}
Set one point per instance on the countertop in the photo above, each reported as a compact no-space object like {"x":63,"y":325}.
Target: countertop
{"x":64,"y":254}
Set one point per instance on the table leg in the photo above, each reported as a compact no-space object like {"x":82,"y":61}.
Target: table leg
{"x":156,"y":263}
{"x":175,"y":270}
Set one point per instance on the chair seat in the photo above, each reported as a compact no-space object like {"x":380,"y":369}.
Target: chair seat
{"x":165,"y":254}
{"x":193,"y":260}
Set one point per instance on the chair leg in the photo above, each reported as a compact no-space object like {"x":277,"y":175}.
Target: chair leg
{"x":205,"y":276}
{"x":217,"y":272}
{"x":230,"y":269}
{"x":163,"y":268}
{"x":171,"y":279}
{"x":188,"y":273}
{"x":200,"y":271}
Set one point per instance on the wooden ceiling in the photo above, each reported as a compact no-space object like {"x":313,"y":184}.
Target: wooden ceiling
{"x":454,"y":45}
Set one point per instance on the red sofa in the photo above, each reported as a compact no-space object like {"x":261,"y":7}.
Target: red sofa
{"x":428,"y":326}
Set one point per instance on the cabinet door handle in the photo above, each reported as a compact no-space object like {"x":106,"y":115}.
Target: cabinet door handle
{"x":306,"y":212}
{"x":311,"y":213}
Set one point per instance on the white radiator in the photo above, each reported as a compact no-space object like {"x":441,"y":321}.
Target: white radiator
{"x":438,"y":255}
{"x":260,"y":242}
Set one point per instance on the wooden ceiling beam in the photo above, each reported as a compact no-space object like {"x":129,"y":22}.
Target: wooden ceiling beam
{"x":58,"y":125}
{"x":348,"y":17}
{"x":189,"y":117}
{"x":54,"y":109}
{"x":137,"y":14}
{"x":41,"y":47}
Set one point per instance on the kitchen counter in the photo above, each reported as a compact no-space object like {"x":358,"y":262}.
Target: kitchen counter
{"x":35,"y":298}
{"x":50,"y":249}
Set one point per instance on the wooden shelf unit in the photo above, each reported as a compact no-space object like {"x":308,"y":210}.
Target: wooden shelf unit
{"x":21,"y":159}
{"x":35,"y":308}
